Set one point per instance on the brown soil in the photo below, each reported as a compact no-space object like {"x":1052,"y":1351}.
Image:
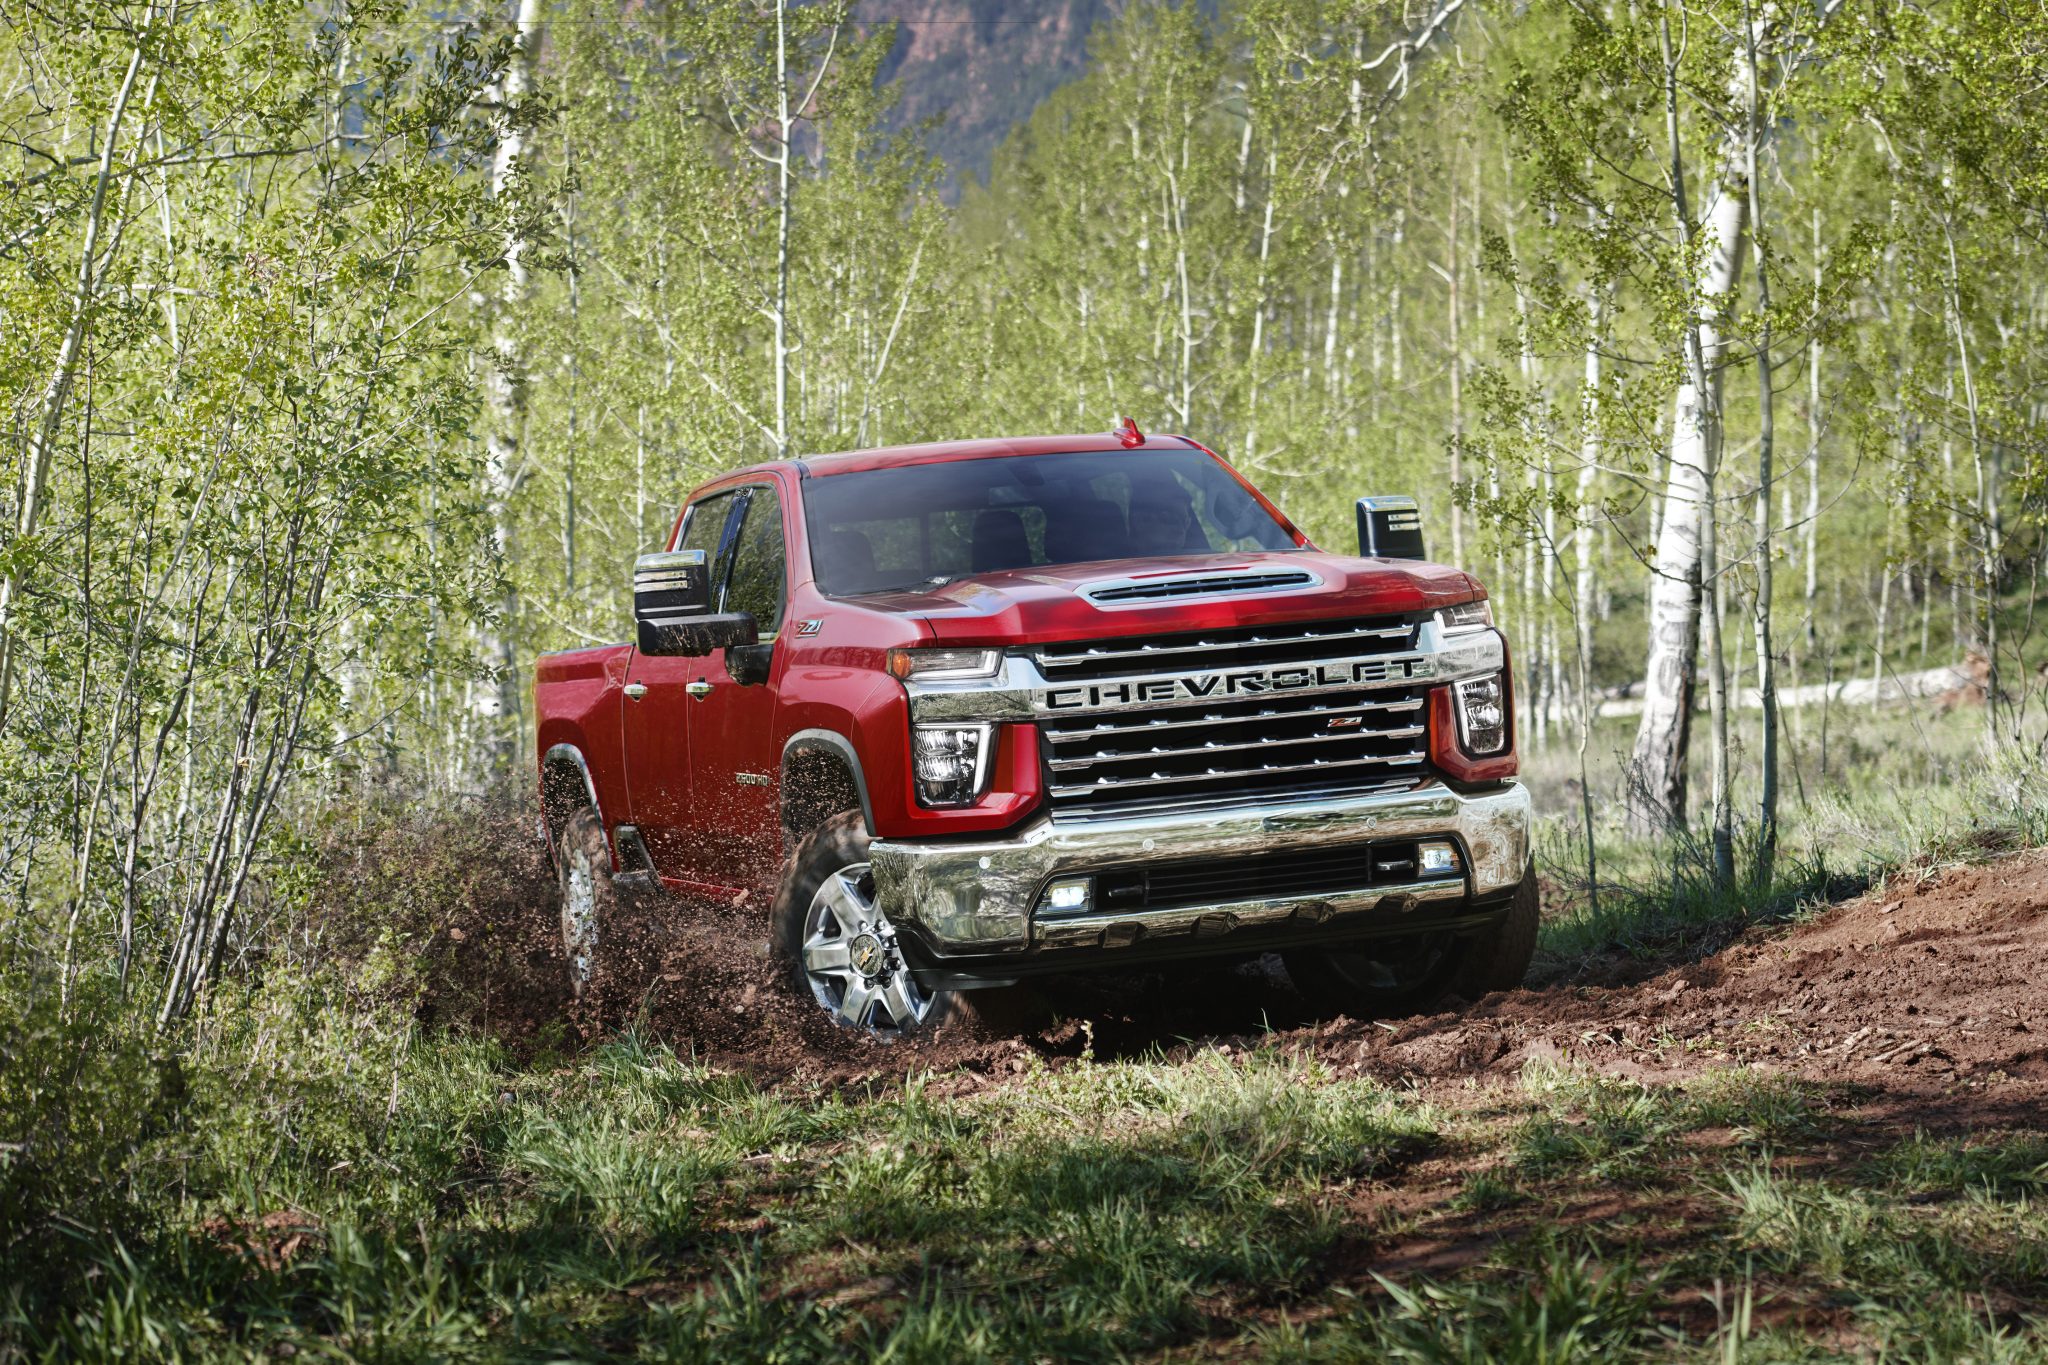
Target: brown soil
{"x":273,"y":1241}
{"x":1923,"y":992}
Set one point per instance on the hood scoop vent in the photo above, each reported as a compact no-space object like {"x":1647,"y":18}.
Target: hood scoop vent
{"x":1117,"y":592}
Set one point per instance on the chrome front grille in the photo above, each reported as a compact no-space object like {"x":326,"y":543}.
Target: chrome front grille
{"x":1233,"y":647}
{"x":1233,"y":747}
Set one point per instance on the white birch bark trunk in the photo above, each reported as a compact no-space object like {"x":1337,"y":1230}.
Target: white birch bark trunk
{"x":1582,"y":586}
{"x":1255,"y":357}
{"x":1812,"y":526}
{"x":1685,"y":535}
{"x":782,"y":217}
{"x":1457,"y":389}
{"x":1766,"y":665}
{"x":505,"y":395}
{"x":1991,"y":552}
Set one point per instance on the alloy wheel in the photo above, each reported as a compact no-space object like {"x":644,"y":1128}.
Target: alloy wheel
{"x":852,"y":961}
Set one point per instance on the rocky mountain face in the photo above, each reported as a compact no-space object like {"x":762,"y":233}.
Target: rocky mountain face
{"x":981,"y":65}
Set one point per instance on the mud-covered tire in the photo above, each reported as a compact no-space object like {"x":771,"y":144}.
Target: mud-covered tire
{"x":1410,"y":975}
{"x":588,"y":901}
{"x":1499,"y":959}
{"x":824,"y":912}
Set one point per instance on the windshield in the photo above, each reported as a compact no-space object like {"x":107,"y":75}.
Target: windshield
{"x":883,"y":529}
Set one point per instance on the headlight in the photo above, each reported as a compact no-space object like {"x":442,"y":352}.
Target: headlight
{"x":1465,"y":618}
{"x":1482,"y":715}
{"x":950,"y":763}
{"x":945,"y":665}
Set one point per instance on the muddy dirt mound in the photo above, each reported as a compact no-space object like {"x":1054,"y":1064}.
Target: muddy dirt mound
{"x":1924,"y":987}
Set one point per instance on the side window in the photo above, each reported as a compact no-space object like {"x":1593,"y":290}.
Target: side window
{"x":705,"y":526}
{"x":757,"y":564}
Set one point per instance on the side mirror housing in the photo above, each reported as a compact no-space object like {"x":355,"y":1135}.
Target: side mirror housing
{"x":698,"y":636}
{"x":1390,"y":528}
{"x":672,"y":607}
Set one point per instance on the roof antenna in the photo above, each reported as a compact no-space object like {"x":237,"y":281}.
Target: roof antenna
{"x":1129,"y":434}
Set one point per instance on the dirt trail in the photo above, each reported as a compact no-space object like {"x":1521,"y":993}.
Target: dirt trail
{"x":1924,"y":995}
{"x":1925,"y":990}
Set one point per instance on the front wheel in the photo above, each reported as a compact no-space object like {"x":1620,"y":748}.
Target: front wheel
{"x":1413,"y":972}
{"x":589,"y":901}
{"x":842,"y":950}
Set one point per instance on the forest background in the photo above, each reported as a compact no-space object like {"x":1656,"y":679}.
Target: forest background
{"x":353,"y":350}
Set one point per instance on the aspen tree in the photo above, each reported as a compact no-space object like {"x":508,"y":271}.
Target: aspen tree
{"x":93,"y":262}
{"x":1766,"y":664}
{"x":1686,"y":555}
{"x":505,"y":380}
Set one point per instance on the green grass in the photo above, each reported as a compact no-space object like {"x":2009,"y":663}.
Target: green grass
{"x":630,"y":1202}
{"x":1906,"y":792}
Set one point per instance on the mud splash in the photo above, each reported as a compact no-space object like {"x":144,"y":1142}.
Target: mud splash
{"x":700,"y":977}
{"x":446,"y":908}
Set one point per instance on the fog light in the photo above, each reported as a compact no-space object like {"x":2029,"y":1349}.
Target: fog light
{"x":1438,"y":859}
{"x":1069,"y":897}
{"x":1482,"y":715}
{"x":951,"y":763}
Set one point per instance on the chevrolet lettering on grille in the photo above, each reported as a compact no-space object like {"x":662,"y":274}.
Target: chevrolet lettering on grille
{"x":1166,"y":691}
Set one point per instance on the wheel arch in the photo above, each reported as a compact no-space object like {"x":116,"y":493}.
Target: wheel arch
{"x":821,"y":776}
{"x":566,"y":786}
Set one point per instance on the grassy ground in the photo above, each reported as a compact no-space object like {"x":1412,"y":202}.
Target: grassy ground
{"x":629,"y":1202}
{"x":1865,"y":790}
{"x":320,"y":1176}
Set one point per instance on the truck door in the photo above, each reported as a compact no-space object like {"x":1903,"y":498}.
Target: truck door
{"x":657,"y":710}
{"x":734,"y":821}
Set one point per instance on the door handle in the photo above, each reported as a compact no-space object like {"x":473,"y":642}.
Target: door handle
{"x":698,"y":689}
{"x":636,"y":690}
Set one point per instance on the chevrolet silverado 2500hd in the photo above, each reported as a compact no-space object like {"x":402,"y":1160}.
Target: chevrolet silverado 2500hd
{"x":965,"y":713}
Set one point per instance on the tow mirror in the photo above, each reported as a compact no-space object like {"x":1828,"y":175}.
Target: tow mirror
{"x":672,"y":607}
{"x":1390,"y":528}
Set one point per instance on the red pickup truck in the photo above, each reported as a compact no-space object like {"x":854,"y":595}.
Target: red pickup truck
{"x":965,"y":713}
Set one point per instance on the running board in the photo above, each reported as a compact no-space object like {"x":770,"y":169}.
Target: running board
{"x":636,"y":865}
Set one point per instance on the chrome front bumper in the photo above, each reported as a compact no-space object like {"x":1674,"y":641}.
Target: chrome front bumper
{"x":976,"y":898}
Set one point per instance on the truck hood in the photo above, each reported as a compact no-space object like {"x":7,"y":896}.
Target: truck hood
{"x":1039,"y":605}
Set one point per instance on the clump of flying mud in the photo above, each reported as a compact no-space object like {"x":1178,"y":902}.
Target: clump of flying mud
{"x":447,"y":909}
{"x":1923,"y":987}
{"x":453,"y":911}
